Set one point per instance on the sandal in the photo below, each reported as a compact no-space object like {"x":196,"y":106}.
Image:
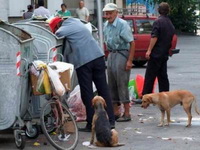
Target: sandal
{"x":124,"y":119}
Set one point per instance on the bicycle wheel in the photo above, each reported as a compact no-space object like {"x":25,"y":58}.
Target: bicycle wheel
{"x":63,"y":136}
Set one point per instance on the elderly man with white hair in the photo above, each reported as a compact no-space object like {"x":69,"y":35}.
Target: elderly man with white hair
{"x":119,"y":41}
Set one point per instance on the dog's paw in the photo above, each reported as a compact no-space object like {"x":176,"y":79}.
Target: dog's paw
{"x":91,"y":142}
{"x":160,"y":125}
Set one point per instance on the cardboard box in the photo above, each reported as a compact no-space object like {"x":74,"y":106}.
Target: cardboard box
{"x":64,"y":78}
{"x":34,"y":80}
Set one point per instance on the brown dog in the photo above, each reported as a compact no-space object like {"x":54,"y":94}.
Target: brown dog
{"x":167,"y":100}
{"x":100,"y":124}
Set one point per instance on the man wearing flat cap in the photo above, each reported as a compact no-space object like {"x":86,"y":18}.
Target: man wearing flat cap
{"x":119,"y":42}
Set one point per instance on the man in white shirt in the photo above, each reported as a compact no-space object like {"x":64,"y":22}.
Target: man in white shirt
{"x":82,"y":12}
{"x":41,"y":10}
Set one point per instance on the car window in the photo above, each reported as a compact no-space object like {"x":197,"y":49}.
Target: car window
{"x":130,"y":22}
{"x":144,"y":26}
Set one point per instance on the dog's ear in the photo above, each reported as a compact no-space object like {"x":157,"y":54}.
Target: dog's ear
{"x":150,"y":99}
{"x":93,"y":102}
{"x":104,"y":103}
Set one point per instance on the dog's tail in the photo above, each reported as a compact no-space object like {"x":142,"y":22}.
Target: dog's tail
{"x":195,"y":106}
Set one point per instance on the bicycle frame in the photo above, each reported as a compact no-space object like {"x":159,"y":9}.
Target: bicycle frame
{"x":57,"y":110}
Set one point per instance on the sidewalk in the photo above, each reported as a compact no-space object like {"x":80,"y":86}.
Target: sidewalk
{"x":142,"y":132}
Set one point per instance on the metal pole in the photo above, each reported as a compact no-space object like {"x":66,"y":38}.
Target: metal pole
{"x":100,"y":22}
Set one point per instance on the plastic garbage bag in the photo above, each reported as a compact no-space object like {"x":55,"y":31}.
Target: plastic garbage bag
{"x":76,"y":105}
{"x":40,"y":85}
{"x":54,"y":78}
{"x":133,"y":93}
{"x":89,"y":26}
{"x":65,"y":71}
{"x":140,"y":83}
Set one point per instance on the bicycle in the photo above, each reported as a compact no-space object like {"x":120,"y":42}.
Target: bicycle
{"x":57,"y":122}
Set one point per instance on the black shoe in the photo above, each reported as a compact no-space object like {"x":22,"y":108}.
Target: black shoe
{"x":86,"y":129}
{"x":112,"y":126}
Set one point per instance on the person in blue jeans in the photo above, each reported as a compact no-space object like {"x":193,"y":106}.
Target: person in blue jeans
{"x":88,"y":60}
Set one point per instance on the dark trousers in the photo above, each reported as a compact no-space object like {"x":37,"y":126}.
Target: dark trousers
{"x":156,"y":68}
{"x":94,"y":71}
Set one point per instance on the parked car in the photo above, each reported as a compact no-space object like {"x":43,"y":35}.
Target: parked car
{"x":141,"y":27}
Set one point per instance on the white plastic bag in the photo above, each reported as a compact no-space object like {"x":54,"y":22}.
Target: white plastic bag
{"x":89,"y":26}
{"x":76,"y":105}
{"x":54,"y":78}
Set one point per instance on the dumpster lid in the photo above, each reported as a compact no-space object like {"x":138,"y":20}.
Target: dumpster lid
{"x":18,"y":33}
{"x":39,"y":24}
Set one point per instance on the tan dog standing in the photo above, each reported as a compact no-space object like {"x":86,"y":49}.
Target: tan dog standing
{"x":166,"y":100}
{"x":101,"y":126}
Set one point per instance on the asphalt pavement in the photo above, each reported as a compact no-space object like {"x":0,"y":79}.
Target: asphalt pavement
{"x":142,"y":132}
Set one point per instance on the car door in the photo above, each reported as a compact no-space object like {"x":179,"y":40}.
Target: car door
{"x":142,"y":36}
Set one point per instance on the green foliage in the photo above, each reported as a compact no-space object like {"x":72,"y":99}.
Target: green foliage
{"x":182,"y":14}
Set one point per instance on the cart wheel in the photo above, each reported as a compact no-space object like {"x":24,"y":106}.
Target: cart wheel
{"x":34,"y":133}
{"x":20,"y":140}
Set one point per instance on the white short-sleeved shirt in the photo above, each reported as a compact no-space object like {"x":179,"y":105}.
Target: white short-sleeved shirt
{"x":82,"y":13}
{"x":42,"y":11}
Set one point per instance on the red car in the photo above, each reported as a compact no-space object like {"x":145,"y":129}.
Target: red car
{"x":141,"y":27}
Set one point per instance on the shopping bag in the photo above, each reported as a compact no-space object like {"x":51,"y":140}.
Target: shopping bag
{"x":46,"y":83}
{"x":133,"y":92}
{"x":140,"y":83}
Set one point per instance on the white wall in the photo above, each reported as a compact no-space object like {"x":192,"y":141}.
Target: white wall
{"x":54,"y":5}
{"x":89,"y":4}
{"x":4,"y":9}
{"x":17,"y":7}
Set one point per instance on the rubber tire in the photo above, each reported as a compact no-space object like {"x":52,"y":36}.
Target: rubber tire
{"x":46,"y":133}
{"x":139,"y":63}
{"x":36,"y":132}
{"x":22,"y":144}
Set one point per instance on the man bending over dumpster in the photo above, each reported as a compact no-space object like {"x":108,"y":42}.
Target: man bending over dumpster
{"x":88,"y":60}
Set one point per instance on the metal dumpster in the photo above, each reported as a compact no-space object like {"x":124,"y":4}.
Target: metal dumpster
{"x":15,"y":53}
{"x":44,"y":39}
{"x":46,"y":26}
